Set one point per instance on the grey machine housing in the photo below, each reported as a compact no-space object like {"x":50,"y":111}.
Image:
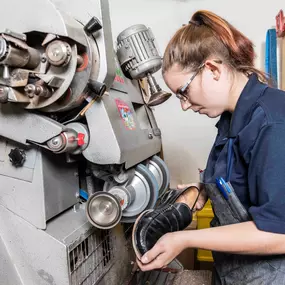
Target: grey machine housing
{"x":69,"y":120}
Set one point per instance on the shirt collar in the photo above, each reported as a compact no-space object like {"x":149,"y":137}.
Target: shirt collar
{"x":250,"y":94}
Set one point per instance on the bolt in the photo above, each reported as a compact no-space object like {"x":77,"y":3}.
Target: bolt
{"x":150,"y":136}
{"x":38,"y":90}
{"x":43,"y":59}
{"x":28,"y":88}
{"x":55,"y":142}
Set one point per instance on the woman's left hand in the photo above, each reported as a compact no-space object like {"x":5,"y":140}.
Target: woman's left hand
{"x":164,"y":251}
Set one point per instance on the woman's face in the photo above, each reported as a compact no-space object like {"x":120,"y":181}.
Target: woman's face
{"x":209,"y":91}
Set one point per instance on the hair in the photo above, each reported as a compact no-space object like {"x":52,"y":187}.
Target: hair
{"x":208,"y":35}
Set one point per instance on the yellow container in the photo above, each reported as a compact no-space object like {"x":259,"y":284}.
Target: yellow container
{"x":204,"y":218}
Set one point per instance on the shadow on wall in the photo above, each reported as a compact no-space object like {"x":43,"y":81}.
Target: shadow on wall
{"x":262,"y":55}
{"x":187,"y":139}
{"x":181,"y":164}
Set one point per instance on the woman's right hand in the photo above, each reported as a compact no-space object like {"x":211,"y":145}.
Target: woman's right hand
{"x":189,"y":197}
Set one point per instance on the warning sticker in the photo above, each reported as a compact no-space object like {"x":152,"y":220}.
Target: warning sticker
{"x":126,"y":114}
{"x":119,"y":76}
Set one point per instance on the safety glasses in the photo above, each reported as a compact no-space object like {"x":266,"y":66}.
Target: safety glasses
{"x":181,"y":93}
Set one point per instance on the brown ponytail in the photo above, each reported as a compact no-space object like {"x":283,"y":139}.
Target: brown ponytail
{"x":210,"y":35}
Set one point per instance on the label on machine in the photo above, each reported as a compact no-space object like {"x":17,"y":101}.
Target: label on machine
{"x":126,"y":114}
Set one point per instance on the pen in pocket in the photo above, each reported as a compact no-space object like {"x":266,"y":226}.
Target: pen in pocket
{"x":233,"y":201}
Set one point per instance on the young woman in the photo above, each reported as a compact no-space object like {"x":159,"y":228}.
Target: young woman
{"x":209,"y":65}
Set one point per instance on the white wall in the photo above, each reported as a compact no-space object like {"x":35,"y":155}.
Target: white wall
{"x":188,"y":137}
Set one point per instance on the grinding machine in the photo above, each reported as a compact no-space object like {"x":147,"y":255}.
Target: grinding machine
{"x":79,"y":143}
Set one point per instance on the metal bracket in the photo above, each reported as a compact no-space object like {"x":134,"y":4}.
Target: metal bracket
{"x":154,"y":126}
{"x":19,"y":36}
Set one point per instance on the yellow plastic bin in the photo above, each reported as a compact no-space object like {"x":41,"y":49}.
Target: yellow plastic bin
{"x":204,"y":218}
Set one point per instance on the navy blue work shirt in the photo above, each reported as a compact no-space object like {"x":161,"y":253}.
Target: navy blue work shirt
{"x":258,"y":173}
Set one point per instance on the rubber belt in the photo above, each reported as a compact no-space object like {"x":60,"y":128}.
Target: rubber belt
{"x":271,"y":56}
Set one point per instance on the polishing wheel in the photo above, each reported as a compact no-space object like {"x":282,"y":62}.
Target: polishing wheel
{"x":103,"y":210}
{"x":135,"y":195}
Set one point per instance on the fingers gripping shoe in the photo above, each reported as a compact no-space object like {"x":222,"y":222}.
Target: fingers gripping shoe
{"x":167,"y":217}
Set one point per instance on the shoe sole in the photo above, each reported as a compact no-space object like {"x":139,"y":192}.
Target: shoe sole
{"x":138,"y":254}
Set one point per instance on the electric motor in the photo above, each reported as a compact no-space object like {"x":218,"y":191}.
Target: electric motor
{"x":137,"y":52}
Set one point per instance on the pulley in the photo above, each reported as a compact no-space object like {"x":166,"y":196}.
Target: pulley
{"x":135,"y":195}
{"x":161,"y":173}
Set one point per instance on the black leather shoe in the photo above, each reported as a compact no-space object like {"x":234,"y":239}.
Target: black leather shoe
{"x":167,"y":217}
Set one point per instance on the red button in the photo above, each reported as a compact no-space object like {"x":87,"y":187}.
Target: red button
{"x":80,"y":139}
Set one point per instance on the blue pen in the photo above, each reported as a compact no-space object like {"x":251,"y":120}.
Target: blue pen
{"x":220,"y":182}
{"x":232,"y":199}
{"x":225,"y":184}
